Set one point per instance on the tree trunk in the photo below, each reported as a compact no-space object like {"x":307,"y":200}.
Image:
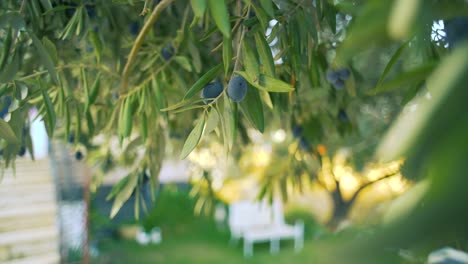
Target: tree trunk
{"x":340,"y":214}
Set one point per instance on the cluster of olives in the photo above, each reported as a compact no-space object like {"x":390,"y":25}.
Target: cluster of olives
{"x":236,"y":90}
{"x":338,"y":78}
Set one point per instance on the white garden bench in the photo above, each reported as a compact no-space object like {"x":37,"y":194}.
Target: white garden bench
{"x":260,"y":222}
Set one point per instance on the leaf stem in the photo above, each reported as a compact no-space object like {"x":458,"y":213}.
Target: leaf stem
{"x":139,"y":40}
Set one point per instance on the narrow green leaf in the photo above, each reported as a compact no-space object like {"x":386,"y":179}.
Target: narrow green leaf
{"x":10,"y":70}
{"x":50,"y":117}
{"x":268,"y":7}
{"x":117,"y":188}
{"x":51,"y":49}
{"x":221,"y":16}
{"x":252,"y":108}
{"x":95,"y":89}
{"x":14,"y":19}
{"x":198,"y":7}
{"x":190,"y":107}
{"x":262,"y":17}
{"x":193,"y":138}
{"x":84,"y":82}
{"x":204,"y":80}
{"x":213,"y":120}
{"x":227,"y":54}
{"x":128,"y":118}
{"x":77,"y":123}
{"x":195,"y":54}
{"x":144,"y":126}
{"x":330,"y":15}
{"x":67,"y":120}
{"x":415,"y":75}
{"x":124,"y":194}
{"x":184,"y":63}
{"x":121,"y":119}
{"x":6,"y":48}
{"x":80,"y":13}
{"x":70,"y":27}
{"x":46,"y":4}
{"x":250,"y":61}
{"x":390,"y":63}
{"x":447,"y":88}
{"x":7,"y":133}
{"x":97,"y":44}
{"x":267,"y":83}
{"x":181,"y":104}
{"x":4,"y":89}
{"x":309,"y":24}
{"x":264,"y":51}
{"x":223,"y":128}
{"x":45,"y":58}
{"x":90,"y":123}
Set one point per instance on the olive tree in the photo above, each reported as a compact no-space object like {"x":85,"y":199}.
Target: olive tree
{"x":145,"y":75}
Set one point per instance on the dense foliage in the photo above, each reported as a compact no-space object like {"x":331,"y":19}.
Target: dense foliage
{"x":141,"y":75}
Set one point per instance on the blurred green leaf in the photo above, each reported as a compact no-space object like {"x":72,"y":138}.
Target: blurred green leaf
{"x":391,"y":62}
{"x":204,"y":80}
{"x":252,"y":108}
{"x":268,"y":7}
{"x":264,"y":51}
{"x":14,"y":19}
{"x":227,"y":54}
{"x":445,"y":83}
{"x":124,"y":194}
{"x":10,"y":70}
{"x":213,"y":120}
{"x":7,"y":133}
{"x":193,"y":138}
{"x":51,"y":49}
{"x":97,"y":44}
{"x":220,"y":15}
{"x":267,"y":83}
{"x":413,"y":76}
{"x":183,"y":62}
{"x":250,"y":61}
{"x":198,"y":7}
{"x":45,"y":58}
{"x":50,"y":117}
{"x":403,"y":17}
{"x":95,"y":89}
{"x":6,"y":48}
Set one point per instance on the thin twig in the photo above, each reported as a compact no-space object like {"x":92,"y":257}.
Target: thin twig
{"x":23,"y":4}
{"x":139,"y":40}
{"x":69,"y":66}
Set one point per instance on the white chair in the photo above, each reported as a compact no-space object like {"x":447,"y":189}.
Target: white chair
{"x":260,"y":222}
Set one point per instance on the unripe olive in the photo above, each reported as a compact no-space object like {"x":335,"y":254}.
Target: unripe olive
{"x":237,"y":88}
{"x":343,"y":74}
{"x":212,"y":90}
{"x":167,"y":52}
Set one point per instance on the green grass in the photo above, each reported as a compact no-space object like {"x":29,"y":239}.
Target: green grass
{"x":188,"y":239}
{"x":197,"y":247}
